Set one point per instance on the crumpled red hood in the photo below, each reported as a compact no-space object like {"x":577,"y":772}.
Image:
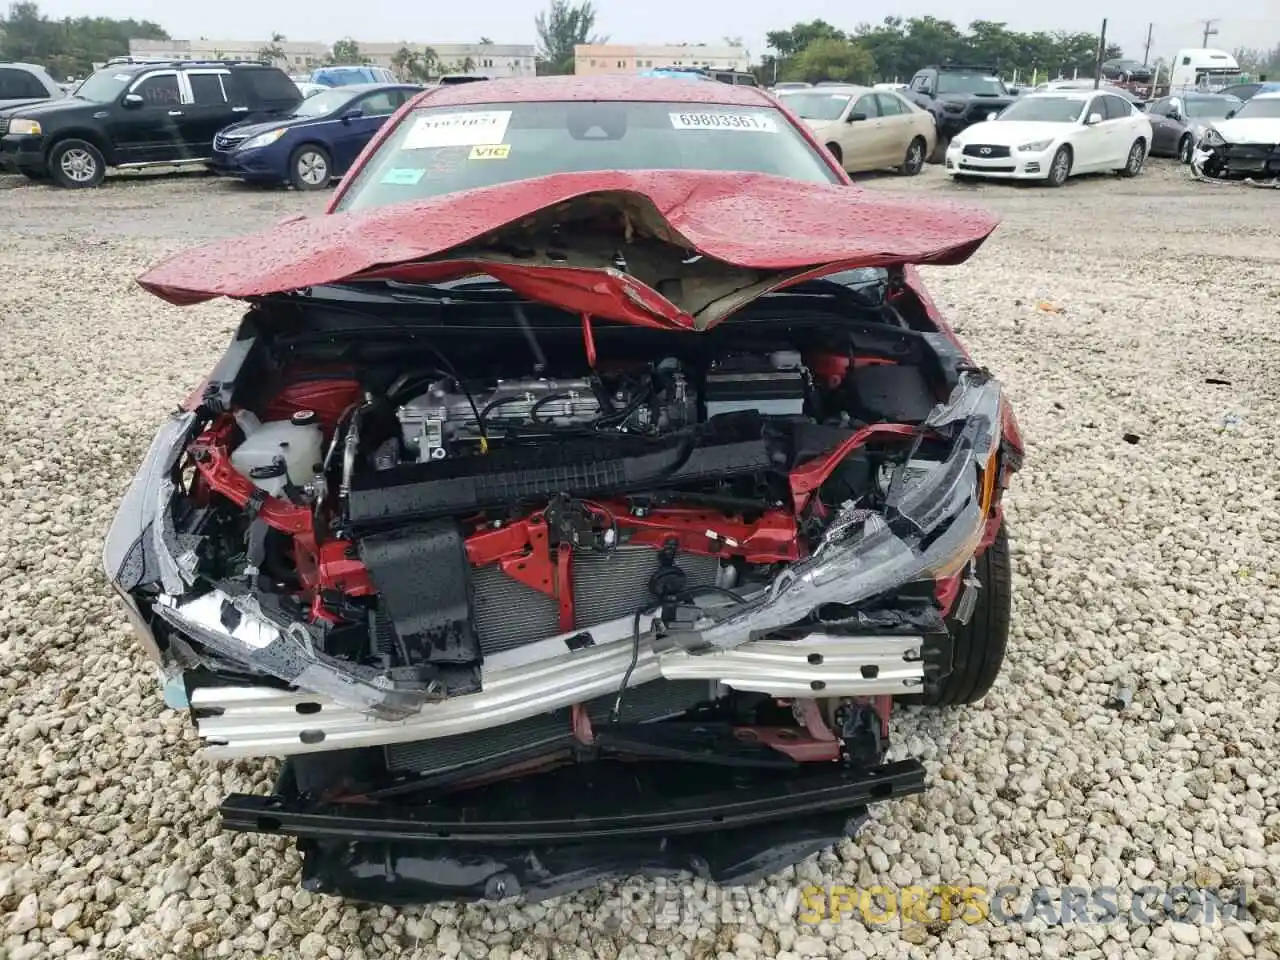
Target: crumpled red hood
{"x":697,"y":244}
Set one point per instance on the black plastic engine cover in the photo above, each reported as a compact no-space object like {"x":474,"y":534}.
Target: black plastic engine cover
{"x":424,"y":588}
{"x":730,"y":445}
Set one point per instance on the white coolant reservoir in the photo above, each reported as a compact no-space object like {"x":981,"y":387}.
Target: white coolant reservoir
{"x":279,"y":452}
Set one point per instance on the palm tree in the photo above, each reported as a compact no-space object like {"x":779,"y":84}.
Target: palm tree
{"x":465,"y":65}
{"x":402,"y":62}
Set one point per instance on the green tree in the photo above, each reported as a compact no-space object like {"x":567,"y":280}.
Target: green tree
{"x":790,"y":43}
{"x":347,"y":51}
{"x":832,"y":59}
{"x":465,"y":65}
{"x":401,"y":61}
{"x":486,"y":42}
{"x":561,"y":27}
{"x":273,"y":52}
{"x":71,"y":46}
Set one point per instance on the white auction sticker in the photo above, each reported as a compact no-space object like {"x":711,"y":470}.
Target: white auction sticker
{"x":473,"y":129}
{"x":749,"y":122}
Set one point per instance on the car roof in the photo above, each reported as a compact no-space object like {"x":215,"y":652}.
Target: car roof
{"x":834,"y":88}
{"x":1068,"y":93}
{"x":606,"y":88}
{"x":355,"y":88}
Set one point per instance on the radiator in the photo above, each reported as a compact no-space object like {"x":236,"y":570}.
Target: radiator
{"x":606,"y":586}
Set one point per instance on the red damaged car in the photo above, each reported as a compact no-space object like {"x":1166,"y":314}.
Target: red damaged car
{"x":575,"y":498}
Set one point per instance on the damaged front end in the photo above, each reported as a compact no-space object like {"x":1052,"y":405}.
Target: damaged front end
{"x":597,"y":592}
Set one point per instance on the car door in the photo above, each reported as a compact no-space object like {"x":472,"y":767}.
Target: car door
{"x":205,"y":112}
{"x":899,"y":130}
{"x":143,"y":125}
{"x":349,"y":134}
{"x":1123,"y":132}
{"x":1165,"y":130}
{"x":1090,"y":141}
{"x":861,"y":139}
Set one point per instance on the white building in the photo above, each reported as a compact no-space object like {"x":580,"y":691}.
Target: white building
{"x":491,"y":59}
{"x":600,"y":58}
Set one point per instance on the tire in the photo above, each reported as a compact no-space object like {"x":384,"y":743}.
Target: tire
{"x":939,"y":154}
{"x":1136,"y":158}
{"x":76,"y":164}
{"x":1185,"y":147}
{"x":837,"y":153}
{"x":1059,"y":167}
{"x":913,"y":162}
{"x":979,"y":645}
{"x":310,"y":168}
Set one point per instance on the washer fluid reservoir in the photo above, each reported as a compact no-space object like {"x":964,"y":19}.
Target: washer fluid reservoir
{"x":280,"y":452}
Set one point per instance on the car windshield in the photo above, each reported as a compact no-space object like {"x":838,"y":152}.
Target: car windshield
{"x":318,"y":104}
{"x":447,"y":149}
{"x":978,"y":84}
{"x":1044,"y":110}
{"x":103,"y":86}
{"x":1211,"y":109}
{"x":1260,"y":108}
{"x":817,"y":106}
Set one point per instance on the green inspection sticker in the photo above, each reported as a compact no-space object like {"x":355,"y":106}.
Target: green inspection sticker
{"x":403,"y":176}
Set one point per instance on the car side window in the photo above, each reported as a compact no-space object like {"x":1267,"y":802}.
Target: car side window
{"x":376,"y":104}
{"x":20,"y":85}
{"x":1160,"y":108}
{"x":1096,"y":106}
{"x":206,"y":89}
{"x":159,"y":90}
{"x":1117,"y":108}
{"x":866,"y":106}
{"x":920,"y":82}
{"x":890,"y":106}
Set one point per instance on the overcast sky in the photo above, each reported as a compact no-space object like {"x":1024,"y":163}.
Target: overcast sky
{"x":1252,"y":23}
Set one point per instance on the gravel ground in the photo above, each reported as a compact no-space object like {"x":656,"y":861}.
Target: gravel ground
{"x":1146,"y":555}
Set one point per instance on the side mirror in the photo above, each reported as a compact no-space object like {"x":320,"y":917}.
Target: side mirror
{"x":355,"y":113}
{"x":1013,"y":91}
{"x":1230,"y":114}
{"x":854,"y":117}
{"x":133,"y":100}
{"x":1093,"y":118}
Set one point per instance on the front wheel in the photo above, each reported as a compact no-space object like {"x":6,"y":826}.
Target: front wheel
{"x":310,"y":168}
{"x":1059,"y":167}
{"x":978,"y":647}
{"x":76,"y":164}
{"x":1137,"y":157}
{"x":913,"y":163}
{"x":1185,"y":147}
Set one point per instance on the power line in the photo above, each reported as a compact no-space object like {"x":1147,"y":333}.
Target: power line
{"x":1209,"y":31}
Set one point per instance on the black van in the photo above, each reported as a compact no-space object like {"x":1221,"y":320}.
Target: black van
{"x":132,"y":116}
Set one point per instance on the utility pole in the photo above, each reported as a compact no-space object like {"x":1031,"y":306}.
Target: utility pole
{"x":1209,"y":31}
{"x":1146,"y":52}
{"x":1102,"y":52}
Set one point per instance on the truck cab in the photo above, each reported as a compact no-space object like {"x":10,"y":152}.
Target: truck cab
{"x":1205,"y":69}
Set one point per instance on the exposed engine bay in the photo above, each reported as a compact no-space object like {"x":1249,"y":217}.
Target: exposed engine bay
{"x":445,"y":562}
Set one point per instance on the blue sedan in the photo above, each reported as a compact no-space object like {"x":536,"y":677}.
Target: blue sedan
{"x":315,"y":144}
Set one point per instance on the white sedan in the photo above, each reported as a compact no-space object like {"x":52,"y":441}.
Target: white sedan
{"x":1053,"y":135}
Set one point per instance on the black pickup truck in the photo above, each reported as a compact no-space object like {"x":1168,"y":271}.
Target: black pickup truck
{"x":959,"y":96}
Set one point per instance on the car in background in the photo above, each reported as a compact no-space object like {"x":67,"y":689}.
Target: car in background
{"x":1054,"y":135}
{"x":26,"y":83}
{"x":1178,"y":122}
{"x":134,"y":116}
{"x":866,"y":129}
{"x":575,"y":498}
{"x":309,"y":89}
{"x":790,"y":85}
{"x":959,"y":96}
{"x":1246,"y":91}
{"x":1078,"y":85}
{"x":341,"y":76}
{"x":314,"y":144}
{"x":1246,"y":143}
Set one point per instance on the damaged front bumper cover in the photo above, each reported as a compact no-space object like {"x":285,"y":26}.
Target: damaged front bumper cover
{"x":1237,"y":165}
{"x":457,"y":850}
{"x":930,"y":529}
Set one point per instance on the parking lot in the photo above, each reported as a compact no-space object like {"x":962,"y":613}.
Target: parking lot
{"x":1137,"y":326}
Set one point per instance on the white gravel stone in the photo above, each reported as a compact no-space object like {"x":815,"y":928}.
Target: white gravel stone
{"x":1149,"y":565}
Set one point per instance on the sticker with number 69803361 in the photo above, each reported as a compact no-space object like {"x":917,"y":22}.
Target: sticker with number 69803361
{"x":745,"y":122}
